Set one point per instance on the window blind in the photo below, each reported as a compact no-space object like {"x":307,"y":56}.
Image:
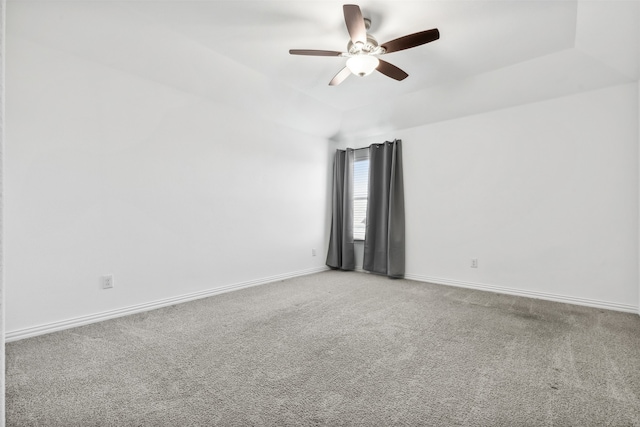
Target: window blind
{"x":360,"y":192}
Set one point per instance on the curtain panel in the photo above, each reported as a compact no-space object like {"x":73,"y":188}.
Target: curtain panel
{"x":341,"y":252}
{"x":384,"y":244}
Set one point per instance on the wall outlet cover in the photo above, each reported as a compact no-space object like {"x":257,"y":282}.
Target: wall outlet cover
{"x":107,"y":281}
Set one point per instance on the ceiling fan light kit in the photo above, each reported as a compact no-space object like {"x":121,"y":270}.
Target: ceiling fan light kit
{"x":363,"y":49}
{"x":362,"y":65}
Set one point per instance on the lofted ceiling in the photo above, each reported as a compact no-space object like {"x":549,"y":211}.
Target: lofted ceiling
{"x":491,"y":54}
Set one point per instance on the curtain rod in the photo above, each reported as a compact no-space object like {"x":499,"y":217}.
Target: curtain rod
{"x":366,"y":148}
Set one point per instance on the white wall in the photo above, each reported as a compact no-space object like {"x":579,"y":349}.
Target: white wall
{"x":175,"y":194}
{"x":107,"y":172}
{"x":2,"y":293}
{"x":545,"y":195}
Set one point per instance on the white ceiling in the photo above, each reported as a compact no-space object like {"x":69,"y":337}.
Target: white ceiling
{"x":491,"y":54}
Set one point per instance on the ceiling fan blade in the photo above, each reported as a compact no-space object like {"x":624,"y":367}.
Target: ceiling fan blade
{"x":391,"y":70}
{"x":412,"y":40}
{"x":339,"y":78}
{"x":314,"y":52}
{"x":355,"y":23}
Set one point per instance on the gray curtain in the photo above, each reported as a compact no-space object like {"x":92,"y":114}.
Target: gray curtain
{"x":384,"y":235}
{"x":341,"y":253}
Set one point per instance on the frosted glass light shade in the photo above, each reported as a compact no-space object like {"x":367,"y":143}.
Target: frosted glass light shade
{"x":362,"y":65}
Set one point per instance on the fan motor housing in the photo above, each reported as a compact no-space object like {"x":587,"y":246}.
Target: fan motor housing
{"x":369,"y":48}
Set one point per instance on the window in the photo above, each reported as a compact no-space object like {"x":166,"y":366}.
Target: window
{"x":360,"y":191}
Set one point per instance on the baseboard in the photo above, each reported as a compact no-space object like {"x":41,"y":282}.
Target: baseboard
{"x":530,"y":294}
{"x":111,"y":314}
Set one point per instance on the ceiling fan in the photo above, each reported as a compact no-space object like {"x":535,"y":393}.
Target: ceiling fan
{"x":363,"y":49}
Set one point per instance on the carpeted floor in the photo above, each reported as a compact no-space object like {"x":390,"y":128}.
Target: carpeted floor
{"x":336,"y":349}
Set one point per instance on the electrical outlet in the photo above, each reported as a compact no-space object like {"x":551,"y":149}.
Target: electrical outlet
{"x":474,"y":262}
{"x":313,"y":252}
{"x":107,"y":281}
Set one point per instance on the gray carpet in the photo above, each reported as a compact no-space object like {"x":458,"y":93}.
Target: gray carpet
{"x":336,"y":349}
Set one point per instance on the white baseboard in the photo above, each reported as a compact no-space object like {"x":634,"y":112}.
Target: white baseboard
{"x":111,"y":314}
{"x":530,"y":294}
